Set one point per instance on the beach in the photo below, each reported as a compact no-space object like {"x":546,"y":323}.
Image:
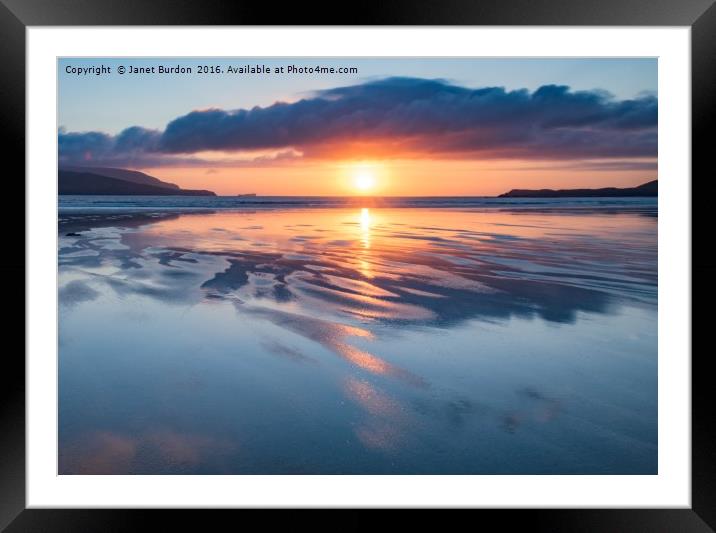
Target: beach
{"x":397,"y":338}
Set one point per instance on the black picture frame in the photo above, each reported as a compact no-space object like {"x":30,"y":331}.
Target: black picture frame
{"x":700,"y":15}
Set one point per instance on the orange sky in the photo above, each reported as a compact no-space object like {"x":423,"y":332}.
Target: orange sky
{"x":423,"y":177}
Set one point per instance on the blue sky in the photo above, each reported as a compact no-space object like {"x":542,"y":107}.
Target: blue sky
{"x":110,"y":103}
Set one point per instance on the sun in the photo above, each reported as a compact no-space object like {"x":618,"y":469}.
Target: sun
{"x":364,"y":181}
{"x":364,"y":178}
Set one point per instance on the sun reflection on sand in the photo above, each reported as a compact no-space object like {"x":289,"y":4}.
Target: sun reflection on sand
{"x":333,"y":337}
{"x":364,"y":255}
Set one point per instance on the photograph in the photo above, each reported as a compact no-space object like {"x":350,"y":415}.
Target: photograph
{"x":357,"y":265}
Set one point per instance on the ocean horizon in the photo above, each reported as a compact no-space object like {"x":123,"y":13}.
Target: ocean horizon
{"x":87,"y":203}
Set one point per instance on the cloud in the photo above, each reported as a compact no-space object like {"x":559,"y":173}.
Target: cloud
{"x":402,"y":117}
{"x":132,"y":144}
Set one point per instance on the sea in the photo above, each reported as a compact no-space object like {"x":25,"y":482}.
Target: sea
{"x":71,"y":203}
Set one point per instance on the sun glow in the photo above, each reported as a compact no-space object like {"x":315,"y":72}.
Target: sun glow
{"x":365,"y":177}
{"x":364,"y":180}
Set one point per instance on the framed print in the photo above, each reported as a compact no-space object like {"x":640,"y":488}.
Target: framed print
{"x":444,"y":261}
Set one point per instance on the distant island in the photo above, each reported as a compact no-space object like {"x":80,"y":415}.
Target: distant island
{"x":118,"y":181}
{"x":650,"y":188}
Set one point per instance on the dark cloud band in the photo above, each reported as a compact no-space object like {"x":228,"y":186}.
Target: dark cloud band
{"x":401,"y":117}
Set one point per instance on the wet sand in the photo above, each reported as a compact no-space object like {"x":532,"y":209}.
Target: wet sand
{"x":359,"y":340}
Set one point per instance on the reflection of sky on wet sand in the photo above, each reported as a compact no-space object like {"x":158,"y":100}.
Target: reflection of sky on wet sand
{"x":359,"y":341}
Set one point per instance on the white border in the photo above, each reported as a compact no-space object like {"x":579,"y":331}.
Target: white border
{"x":671,"y":487}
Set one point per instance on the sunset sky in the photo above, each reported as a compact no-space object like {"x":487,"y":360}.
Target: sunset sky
{"x":440,"y":126}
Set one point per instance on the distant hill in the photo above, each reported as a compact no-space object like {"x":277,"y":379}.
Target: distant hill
{"x":88,"y":183}
{"x":122,"y":174}
{"x":650,"y":188}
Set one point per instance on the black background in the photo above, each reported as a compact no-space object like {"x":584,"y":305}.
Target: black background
{"x":15,"y":15}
